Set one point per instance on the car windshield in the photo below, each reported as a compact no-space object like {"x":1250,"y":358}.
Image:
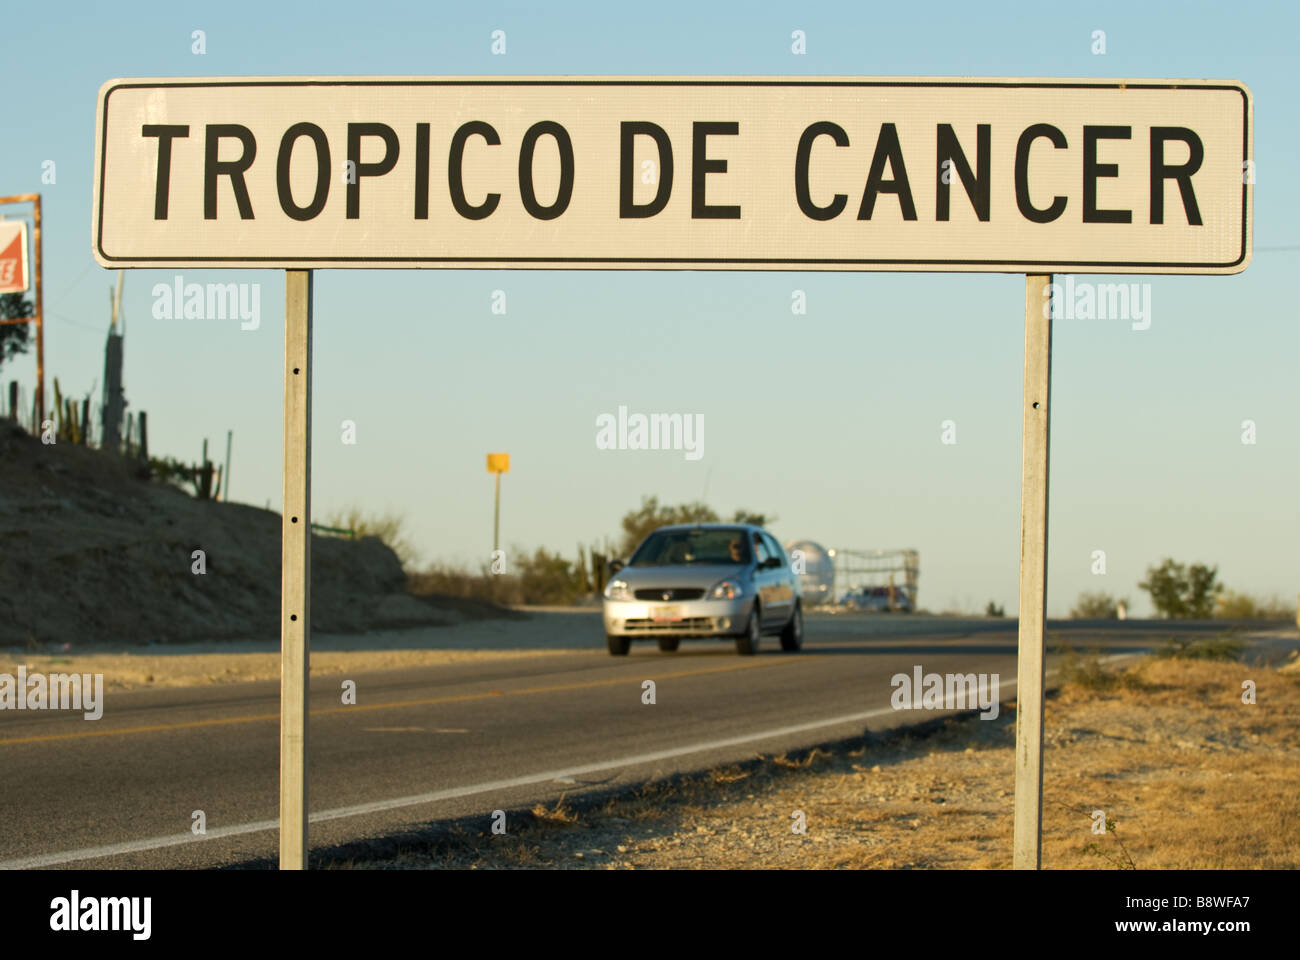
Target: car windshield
{"x":665,"y":548}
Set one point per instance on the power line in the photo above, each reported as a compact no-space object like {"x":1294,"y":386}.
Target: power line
{"x":75,"y":323}
{"x":68,"y":290}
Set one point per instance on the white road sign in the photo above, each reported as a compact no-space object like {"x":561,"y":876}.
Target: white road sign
{"x":789,"y":173}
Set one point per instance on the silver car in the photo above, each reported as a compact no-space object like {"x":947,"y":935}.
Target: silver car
{"x":704,"y":580}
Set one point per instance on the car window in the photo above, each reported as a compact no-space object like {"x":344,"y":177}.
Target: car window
{"x":775,"y":549}
{"x":760,"y":549}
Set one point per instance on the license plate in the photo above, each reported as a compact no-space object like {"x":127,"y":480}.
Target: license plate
{"x":666,"y":614}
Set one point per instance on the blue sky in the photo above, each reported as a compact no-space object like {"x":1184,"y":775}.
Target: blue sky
{"x":830,"y":420}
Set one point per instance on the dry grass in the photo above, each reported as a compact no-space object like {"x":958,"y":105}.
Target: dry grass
{"x":557,"y":816}
{"x":1186,"y":775}
{"x":389,"y":526}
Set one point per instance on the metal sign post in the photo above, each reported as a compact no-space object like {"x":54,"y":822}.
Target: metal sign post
{"x":497,"y":464}
{"x":295,"y":573}
{"x":1027,"y":844}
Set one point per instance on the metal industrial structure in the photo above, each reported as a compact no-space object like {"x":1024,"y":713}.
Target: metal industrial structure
{"x":815,"y":566}
{"x":829,"y":575}
{"x":856,"y":570}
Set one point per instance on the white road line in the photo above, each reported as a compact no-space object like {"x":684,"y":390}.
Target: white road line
{"x":380,"y":806}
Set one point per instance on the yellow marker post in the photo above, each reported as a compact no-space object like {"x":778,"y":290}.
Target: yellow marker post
{"x":497,"y":463}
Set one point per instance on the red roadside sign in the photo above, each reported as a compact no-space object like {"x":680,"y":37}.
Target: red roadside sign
{"x":13,"y":256}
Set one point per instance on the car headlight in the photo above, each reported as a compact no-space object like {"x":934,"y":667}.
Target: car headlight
{"x":618,"y":590}
{"x":727,"y":590}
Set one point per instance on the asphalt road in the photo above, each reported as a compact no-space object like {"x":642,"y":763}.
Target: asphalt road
{"x":464,"y":739}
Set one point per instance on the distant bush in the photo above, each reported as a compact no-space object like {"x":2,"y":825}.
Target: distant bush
{"x":993,"y":610}
{"x":201,"y":480}
{"x":1223,"y":647}
{"x":1184,"y":592}
{"x":388,"y":527}
{"x":450,"y":581}
{"x":651,"y":515}
{"x":171,"y":471}
{"x":540,"y":578}
{"x":1242,"y":606}
{"x":1096,"y":606}
{"x":548,"y":578}
{"x":1086,"y":670}
{"x":14,"y":336}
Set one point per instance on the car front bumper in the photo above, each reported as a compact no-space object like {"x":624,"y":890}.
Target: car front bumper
{"x":688,"y":618}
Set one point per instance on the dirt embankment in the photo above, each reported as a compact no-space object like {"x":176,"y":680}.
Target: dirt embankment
{"x":91,"y":554}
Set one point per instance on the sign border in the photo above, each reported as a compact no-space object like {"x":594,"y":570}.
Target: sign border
{"x":782,"y":264}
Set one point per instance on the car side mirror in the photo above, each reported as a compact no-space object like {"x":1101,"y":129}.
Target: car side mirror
{"x":771,"y":562}
{"x":615,"y":566}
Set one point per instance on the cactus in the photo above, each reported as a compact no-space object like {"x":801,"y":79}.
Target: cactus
{"x":74,"y":433}
{"x":58,"y":410}
{"x":203,"y":480}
